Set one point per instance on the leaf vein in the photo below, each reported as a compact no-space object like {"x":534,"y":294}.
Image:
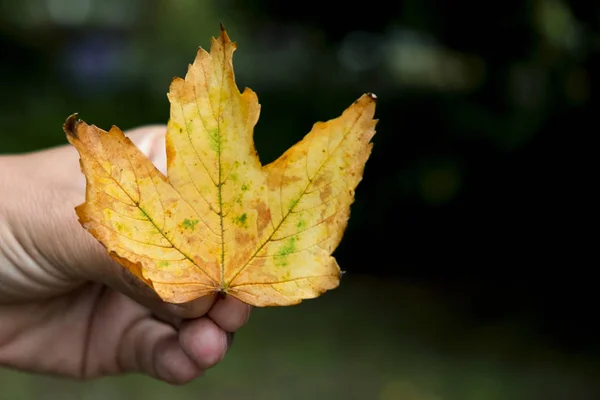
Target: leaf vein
{"x":135,"y":240}
{"x":274,"y":239}
{"x":281,"y":281}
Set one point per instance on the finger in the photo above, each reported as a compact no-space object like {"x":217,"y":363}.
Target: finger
{"x":172,"y":364}
{"x":230,"y":313}
{"x":203,"y":341}
{"x":153,"y":348}
{"x":193,"y":309}
{"x":125,"y":282}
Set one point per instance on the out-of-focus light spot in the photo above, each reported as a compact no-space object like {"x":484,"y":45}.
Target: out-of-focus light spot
{"x":69,"y":12}
{"x":403,"y":390}
{"x":412,"y":55}
{"x":415,"y":60}
{"x":360,"y":51}
{"x":555,"y":21}
{"x":439,"y":184}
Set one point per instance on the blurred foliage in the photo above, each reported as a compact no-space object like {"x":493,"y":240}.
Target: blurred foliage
{"x":471,"y":190}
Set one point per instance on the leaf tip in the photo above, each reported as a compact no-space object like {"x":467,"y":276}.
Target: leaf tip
{"x":373,"y":96}
{"x":223,"y":35}
{"x":70,"y":125}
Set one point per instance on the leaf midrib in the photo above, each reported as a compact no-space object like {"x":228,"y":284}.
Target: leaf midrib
{"x":220,"y":173}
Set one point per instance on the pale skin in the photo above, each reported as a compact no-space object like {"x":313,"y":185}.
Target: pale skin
{"x":67,"y":309}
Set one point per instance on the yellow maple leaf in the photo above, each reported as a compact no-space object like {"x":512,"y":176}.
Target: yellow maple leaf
{"x":220,"y":221}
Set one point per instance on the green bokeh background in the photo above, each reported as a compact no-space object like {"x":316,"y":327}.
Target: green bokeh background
{"x":462,"y":281}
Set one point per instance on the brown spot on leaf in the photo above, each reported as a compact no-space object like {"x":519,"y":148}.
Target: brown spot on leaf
{"x":274,"y":178}
{"x":319,"y":181}
{"x":243,"y":239}
{"x":171,"y":153}
{"x":259,"y":262}
{"x":325,"y":192}
{"x":290,"y":179}
{"x":264,"y":217}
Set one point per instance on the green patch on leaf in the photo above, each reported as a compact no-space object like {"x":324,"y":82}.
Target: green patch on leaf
{"x":190,"y":223}
{"x":242,"y":220}
{"x":281,"y":258}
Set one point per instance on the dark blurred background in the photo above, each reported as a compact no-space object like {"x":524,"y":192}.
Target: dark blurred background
{"x":466,"y":275}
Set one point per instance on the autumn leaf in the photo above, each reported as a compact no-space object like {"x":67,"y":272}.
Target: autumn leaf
{"x":220,"y":221}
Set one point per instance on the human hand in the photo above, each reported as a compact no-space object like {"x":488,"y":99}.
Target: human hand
{"x":66,"y":308}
